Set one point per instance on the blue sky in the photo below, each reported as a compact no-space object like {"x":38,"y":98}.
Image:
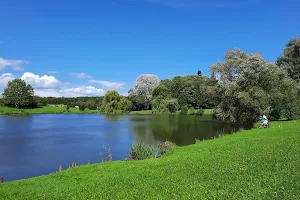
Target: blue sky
{"x":78,"y":48}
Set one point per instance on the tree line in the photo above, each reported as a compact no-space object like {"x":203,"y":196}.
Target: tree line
{"x":241,"y":87}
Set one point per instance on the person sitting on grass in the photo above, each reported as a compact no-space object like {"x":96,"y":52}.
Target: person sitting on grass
{"x":264,"y":121}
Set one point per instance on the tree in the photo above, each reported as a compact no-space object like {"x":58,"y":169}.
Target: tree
{"x":18,"y":94}
{"x":113,"y":103}
{"x":82,"y":106}
{"x":250,"y":86}
{"x":138,"y":101}
{"x":161,"y":92}
{"x":162,"y":103}
{"x":290,"y":59}
{"x":91,"y":105}
{"x":143,"y":86}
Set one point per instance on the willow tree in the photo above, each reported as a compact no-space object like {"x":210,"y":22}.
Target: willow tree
{"x":251,"y":86}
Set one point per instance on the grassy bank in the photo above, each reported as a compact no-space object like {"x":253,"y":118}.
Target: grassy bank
{"x":44,"y":110}
{"x":255,"y":164}
{"x":149,"y":112}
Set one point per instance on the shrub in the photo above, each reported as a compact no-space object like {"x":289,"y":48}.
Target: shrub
{"x":184,"y":110}
{"x":39,"y":105}
{"x":192,"y":111}
{"x":173,"y":105}
{"x":160,"y":106}
{"x":199,"y":111}
{"x":141,"y":151}
{"x":292,"y":111}
{"x":166,"y":146}
{"x":82,"y":107}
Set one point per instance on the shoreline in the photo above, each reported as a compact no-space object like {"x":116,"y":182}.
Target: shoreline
{"x":248,"y":155}
{"x":7,"y":111}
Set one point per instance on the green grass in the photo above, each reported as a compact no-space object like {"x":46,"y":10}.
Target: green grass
{"x":141,"y":112}
{"x":255,"y":164}
{"x":44,"y":110}
{"x":208,"y":111}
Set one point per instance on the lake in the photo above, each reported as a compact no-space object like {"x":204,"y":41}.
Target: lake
{"x":34,"y":145}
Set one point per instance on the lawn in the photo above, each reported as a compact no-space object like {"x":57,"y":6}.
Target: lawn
{"x":141,"y":112}
{"x":44,"y":110}
{"x":254,"y":164}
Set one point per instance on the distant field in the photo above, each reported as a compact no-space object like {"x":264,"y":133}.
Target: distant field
{"x":44,"y":110}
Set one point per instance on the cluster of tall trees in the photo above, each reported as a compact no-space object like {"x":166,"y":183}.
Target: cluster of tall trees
{"x":241,"y":87}
{"x":249,"y":85}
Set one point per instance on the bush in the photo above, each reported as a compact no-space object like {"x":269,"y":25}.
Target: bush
{"x":292,"y":111}
{"x":166,"y":146}
{"x":173,"y":105}
{"x":200,"y":111}
{"x":160,"y":106}
{"x":184,"y":110}
{"x":141,"y":151}
{"x":192,"y":111}
{"x":39,"y":105}
{"x":82,"y":107}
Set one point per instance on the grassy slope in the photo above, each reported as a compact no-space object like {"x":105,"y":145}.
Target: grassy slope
{"x":255,"y":164}
{"x":44,"y":110}
{"x":149,"y":112}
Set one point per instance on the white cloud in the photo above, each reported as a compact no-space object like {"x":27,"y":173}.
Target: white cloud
{"x":108,"y":84}
{"x":47,"y":86}
{"x":52,"y":72}
{"x":15,"y":64}
{"x":37,"y":81}
{"x":80,"y":75}
{"x":70,"y":92}
{"x":4,"y":78}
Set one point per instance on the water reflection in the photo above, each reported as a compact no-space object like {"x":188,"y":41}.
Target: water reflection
{"x":36,"y":144}
{"x":183,"y":130}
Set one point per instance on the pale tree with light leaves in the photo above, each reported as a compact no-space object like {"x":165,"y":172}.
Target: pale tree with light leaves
{"x":144,"y":85}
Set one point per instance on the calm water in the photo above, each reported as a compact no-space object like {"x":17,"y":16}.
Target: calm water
{"x":35,"y":145}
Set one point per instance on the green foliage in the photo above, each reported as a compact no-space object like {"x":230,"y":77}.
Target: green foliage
{"x":161,"y":92}
{"x":1,"y":102}
{"x":184,"y":110}
{"x":255,"y":164}
{"x":192,"y":111}
{"x":160,"y":106}
{"x":195,"y":91}
{"x":82,"y":106}
{"x":172,"y":105}
{"x":141,"y":151}
{"x":68,"y":108}
{"x":138,"y":102}
{"x":18,"y":94}
{"x":292,"y":110}
{"x":290,"y":59}
{"x":199,"y":112}
{"x":113,"y":103}
{"x":91,"y":105}
{"x":250,"y":86}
